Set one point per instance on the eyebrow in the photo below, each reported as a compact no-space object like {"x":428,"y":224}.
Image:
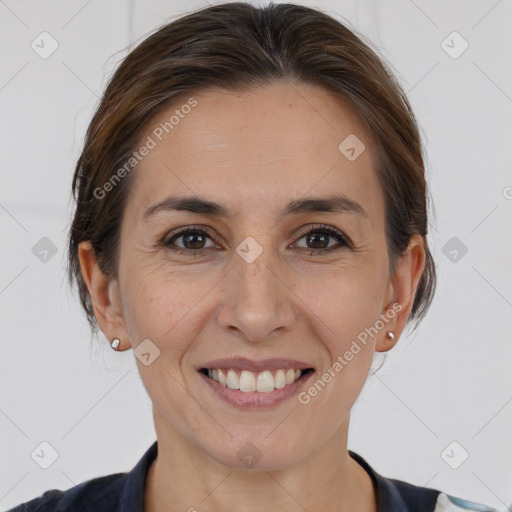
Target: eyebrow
{"x":332,"y":203}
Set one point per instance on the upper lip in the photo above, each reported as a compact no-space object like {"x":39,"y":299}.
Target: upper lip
{"x":242,"y":363}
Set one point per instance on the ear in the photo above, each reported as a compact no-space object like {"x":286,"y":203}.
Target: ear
{"x":105,"y":296}
{"x":404,"y":283}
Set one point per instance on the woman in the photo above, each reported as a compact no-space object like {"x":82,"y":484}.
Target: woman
{"x":251,"y":220}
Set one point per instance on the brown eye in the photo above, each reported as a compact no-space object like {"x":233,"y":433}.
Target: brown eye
{"x":317,"y":239}
{"x":193,"y":239}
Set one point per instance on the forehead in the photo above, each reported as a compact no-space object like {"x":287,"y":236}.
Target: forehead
{"x":256,"y":148}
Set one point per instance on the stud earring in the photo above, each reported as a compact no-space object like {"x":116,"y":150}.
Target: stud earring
{"x":390,"y":335}
{"x":115,"y":343}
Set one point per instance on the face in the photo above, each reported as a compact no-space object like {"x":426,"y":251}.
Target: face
{"x":259,"y":288}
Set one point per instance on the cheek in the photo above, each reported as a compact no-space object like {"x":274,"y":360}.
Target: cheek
{"x":346,"y":300}
{"x":343,"y":310}
{"x":163,"y":305}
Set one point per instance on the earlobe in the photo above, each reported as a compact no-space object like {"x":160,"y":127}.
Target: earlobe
{"x":409,"y":270}
{"x":104,"y":294}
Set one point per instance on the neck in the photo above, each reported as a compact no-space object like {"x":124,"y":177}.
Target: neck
{"x":185,"y":478}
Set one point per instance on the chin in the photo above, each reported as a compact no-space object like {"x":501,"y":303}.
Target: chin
{"x":260,"y":451}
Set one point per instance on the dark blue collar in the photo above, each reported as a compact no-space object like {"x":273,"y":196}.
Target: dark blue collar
{"x":398,"y":496}
{"x":392,"y":495}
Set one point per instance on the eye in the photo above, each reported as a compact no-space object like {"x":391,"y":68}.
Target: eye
{"x":193,"y":239}
{"x":319,"y":236}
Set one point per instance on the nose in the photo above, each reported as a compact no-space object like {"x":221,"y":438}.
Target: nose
{"x":258,"y":301}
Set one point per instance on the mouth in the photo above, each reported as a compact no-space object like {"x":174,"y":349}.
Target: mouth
{"x":255,"y":384}
{"x":248,"y":381}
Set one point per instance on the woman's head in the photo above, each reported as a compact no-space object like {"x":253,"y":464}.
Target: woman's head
{"x":292,"y":125}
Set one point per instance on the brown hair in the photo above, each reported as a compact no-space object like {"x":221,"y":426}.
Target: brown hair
{"x":236,"y":46}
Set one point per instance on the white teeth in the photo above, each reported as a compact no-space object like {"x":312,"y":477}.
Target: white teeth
{"x":247,"y":381}
{"x":280,"y":379}
{"x":221,"y":378}
{"x":262,"y":382}
{"x":232,"y":380}
{"x":265,"y":382}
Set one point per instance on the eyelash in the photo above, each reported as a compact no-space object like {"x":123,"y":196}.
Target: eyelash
{"x":321,"y":228}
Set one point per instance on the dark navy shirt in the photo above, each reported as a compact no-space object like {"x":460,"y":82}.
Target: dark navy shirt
{"x":124,"y":492}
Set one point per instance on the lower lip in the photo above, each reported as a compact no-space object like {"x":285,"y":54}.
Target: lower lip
{"x":255,"y":399}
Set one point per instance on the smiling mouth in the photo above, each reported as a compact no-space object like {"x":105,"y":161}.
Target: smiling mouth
{"x":259,"y":382}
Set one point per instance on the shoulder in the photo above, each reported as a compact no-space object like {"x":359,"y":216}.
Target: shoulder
{"x":424,"y":499}
{"x":101,"y":493}
{"x":398,"y":496}
{"x":115,"y":492}
{"x":447,"y":503}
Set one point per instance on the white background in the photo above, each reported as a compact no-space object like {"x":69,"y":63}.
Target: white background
{"x":449,"y":381}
